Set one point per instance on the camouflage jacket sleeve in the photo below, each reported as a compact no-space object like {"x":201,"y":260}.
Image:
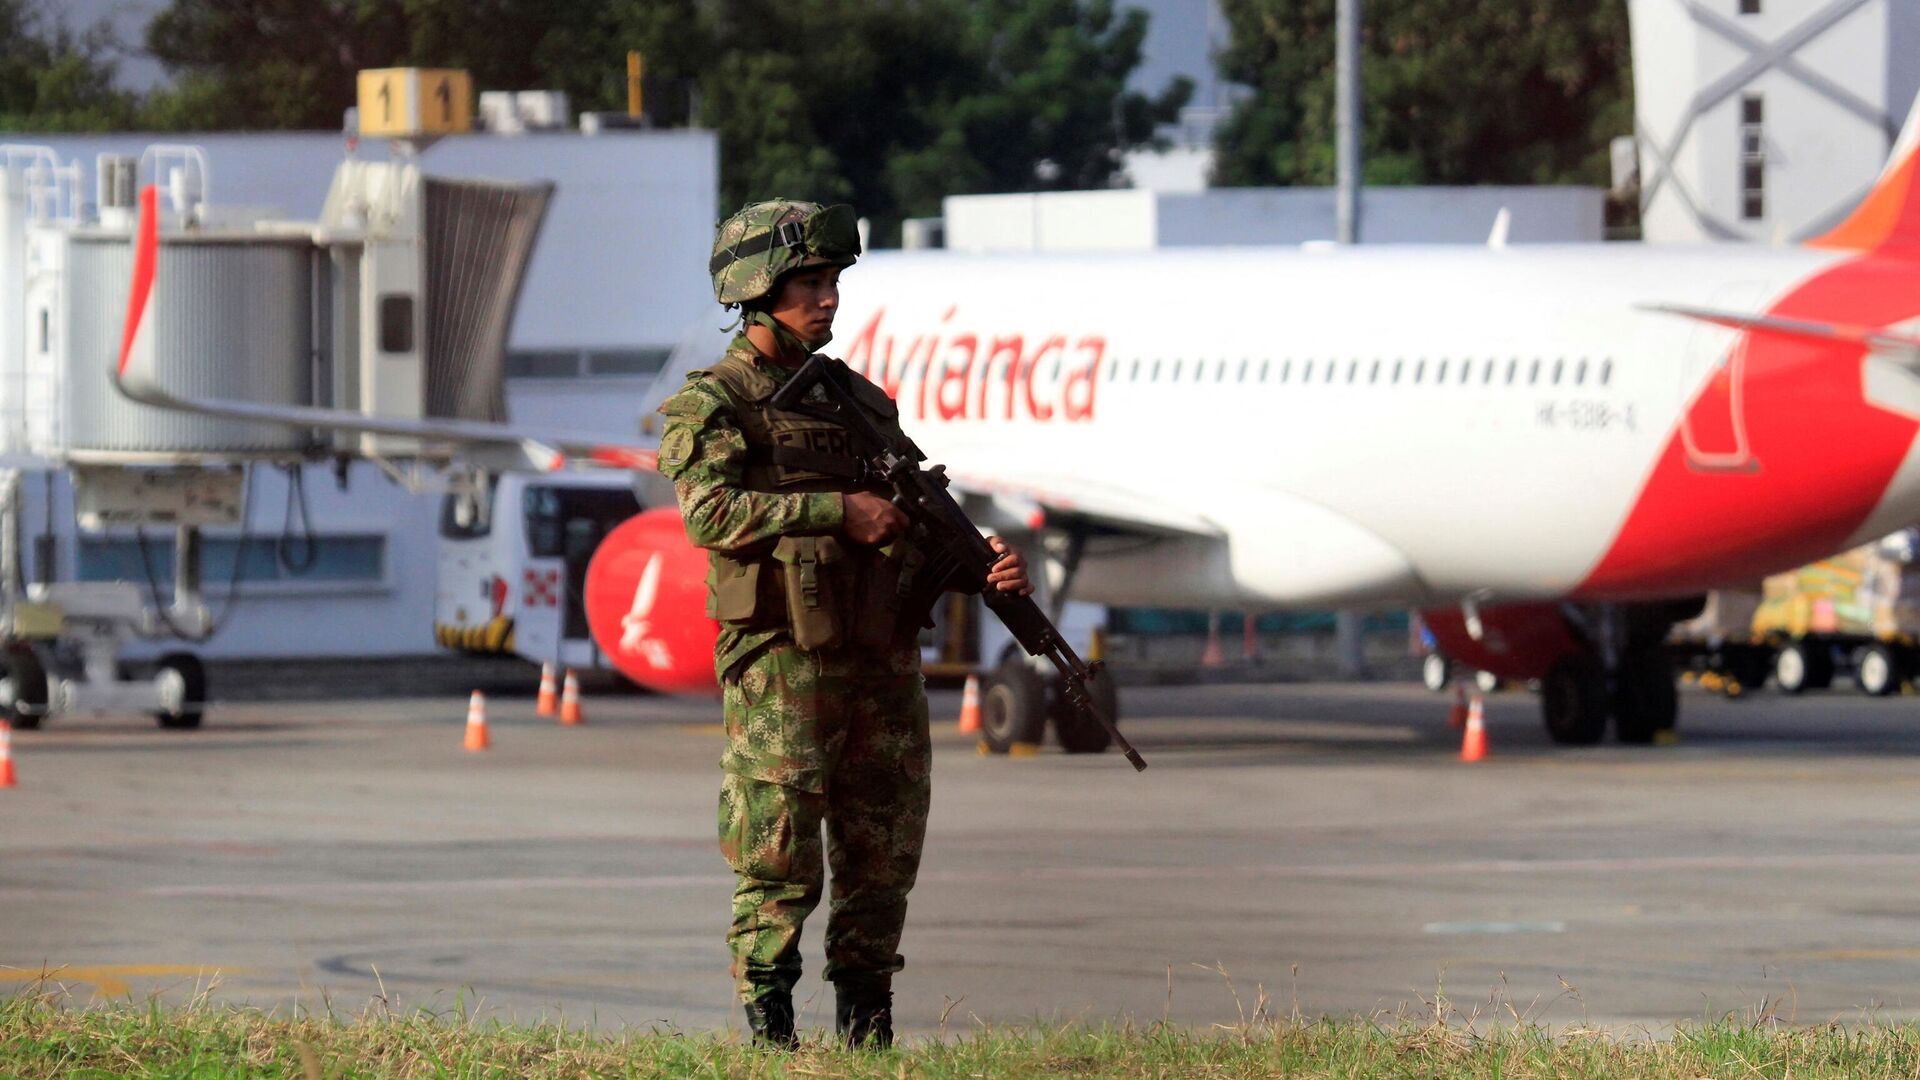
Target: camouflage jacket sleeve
{"x":703,"y":452}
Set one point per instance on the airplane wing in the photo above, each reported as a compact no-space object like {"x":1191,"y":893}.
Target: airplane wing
{"x":1879,"y":339}
{"x":495,"y":445}
{"x":1038,"y":499}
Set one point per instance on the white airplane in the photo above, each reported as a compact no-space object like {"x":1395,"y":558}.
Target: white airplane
{"x":1552,"y":451}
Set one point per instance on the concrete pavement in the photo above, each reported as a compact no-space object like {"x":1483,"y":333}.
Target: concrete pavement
{"x":1318,"y":842}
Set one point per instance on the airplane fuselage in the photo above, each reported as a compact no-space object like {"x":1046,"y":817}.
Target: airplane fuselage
{"x":1408,"y":425}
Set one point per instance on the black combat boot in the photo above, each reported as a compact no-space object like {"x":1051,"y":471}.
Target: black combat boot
{"x":863,"y":1015}
{"x":770,"y":1016}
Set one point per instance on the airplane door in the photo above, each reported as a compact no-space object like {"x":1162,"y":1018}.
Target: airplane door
{"x":1714,"y":427}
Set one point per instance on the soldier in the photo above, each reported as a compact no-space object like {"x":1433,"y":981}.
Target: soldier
{"x":820,"y":608}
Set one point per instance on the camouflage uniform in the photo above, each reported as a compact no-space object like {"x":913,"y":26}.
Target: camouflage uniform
{"x":835,"y":736}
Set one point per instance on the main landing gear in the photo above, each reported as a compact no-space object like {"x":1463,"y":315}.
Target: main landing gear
{"x":1624,"y":673}
{"x":1017,"y":704}
{"x":1022,"y":695}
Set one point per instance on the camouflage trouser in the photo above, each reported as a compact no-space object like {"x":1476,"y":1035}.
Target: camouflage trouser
{"x":822,"y":738}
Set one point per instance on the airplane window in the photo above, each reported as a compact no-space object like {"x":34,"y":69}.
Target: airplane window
{"x":1263,"y":369}
{"x":1397,"y":365}
{"x":1054,"y":374}
{"x":1156,"y":371}
{"x":1559,"y":365}
{"x":1373,"y":373}
{"x":1533,"y":372}
{"x":1513,"y":366}
{"x":1242,"y":376}
{"x":1580,"y":372}
{"x":1486,"y":374}
{"x":1306,"y":372}
{"x":1175,"y":376}
{"x":1466,"y":372}
{"x":1440,"y":373}
{"x":1332,"y":367}
{"x":1286,"y":370}
{"x":1419,"y":372}
{"x":1606,"y":372}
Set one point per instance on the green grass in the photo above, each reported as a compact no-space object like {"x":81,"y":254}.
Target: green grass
{"x":41,"y":1035}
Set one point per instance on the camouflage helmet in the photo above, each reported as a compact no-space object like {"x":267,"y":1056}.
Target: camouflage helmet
{"x":767,"y":239}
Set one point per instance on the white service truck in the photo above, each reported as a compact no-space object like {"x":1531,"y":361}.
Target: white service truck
{"x":513,"y":564}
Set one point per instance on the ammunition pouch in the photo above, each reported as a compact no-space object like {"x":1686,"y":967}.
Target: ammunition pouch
{"x":813,"y":571}
{"x":733,"y":589}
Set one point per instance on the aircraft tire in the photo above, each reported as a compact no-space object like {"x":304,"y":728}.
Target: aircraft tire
{"x":1645,"y":699}
{"x":1876,"y":670}
{"x":1013,"y":707}
{"x":1436,"y":673}
{"x":1573,"y":700}
{"x":194,"y":700}
{"x":1078,"y":734}
{"x":25,"y":687}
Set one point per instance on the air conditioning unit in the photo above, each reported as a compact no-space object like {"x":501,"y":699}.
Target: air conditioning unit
{"x":542,"y":110}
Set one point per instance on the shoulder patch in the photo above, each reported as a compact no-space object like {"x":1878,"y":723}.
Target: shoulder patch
{"x":676,"y":448}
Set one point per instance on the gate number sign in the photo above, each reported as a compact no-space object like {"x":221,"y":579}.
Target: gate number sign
{"x":403,"y":103}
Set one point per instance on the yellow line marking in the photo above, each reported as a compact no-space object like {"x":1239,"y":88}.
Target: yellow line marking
{"x":110,"y":980}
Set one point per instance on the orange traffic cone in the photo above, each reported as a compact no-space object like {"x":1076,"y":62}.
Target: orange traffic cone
{"x":1213,"y":656}
{"x":570,"y":702}
{"x":6,"y":754}
{"x":477,"y":722}
{"x":970,"y":706}
{"x":1474,"y":746}
{"x":1457,"y":716}
{"x":549,"y":703}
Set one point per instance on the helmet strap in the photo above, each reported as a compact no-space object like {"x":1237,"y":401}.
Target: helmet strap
{"x":785,"y":338}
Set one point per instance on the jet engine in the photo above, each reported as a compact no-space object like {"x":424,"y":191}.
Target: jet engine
{"x":647,"y":605}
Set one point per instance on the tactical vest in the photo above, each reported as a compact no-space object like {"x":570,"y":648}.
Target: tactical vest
{"x":790,"y":451}
{"x":826,"y":590}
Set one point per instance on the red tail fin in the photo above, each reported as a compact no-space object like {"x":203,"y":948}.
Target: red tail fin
{"x":145,"y":253}
{"x":1889,"y":217}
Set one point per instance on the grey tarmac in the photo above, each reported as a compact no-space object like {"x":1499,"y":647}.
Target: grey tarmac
{"x":1317,"y":842}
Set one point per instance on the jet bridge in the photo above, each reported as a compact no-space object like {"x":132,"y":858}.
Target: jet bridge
{"x":395,"y":304}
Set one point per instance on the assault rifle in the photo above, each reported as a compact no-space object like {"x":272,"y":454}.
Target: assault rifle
{"x":942,"y":528}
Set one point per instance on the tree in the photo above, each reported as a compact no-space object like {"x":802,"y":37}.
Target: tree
{"x":1441,"y":103}
{"x":52,"y":79}
{"x":891,"y":104}
{"x":291,"y":64}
